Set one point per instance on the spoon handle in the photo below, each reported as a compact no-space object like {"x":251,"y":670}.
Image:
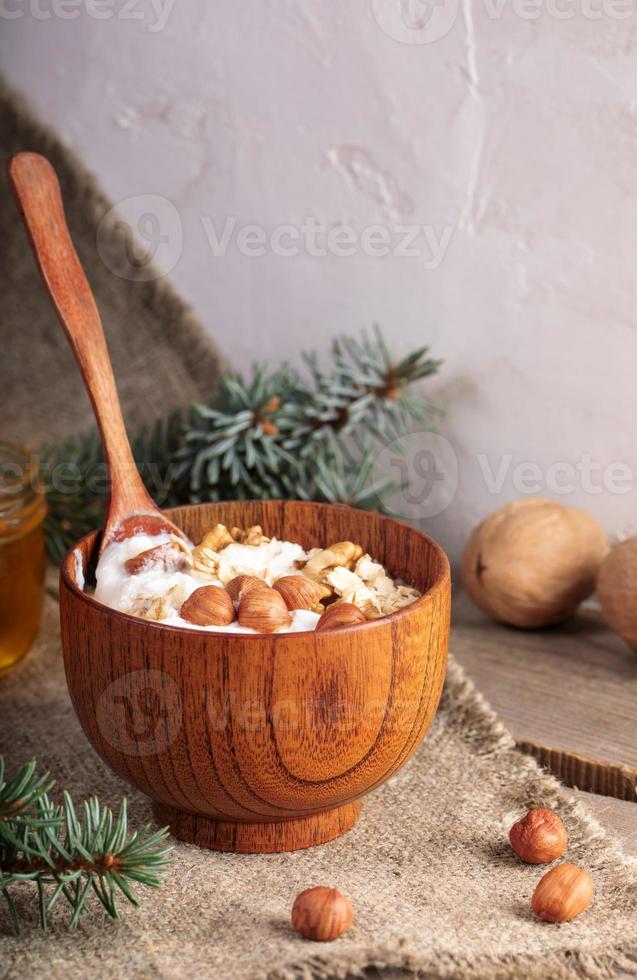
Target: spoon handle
{"x":37,"y":192}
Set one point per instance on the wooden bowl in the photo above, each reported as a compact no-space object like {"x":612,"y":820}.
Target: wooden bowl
{"x":260,"y":743}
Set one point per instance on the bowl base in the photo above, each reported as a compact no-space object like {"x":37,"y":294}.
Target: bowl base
{"x":258,"y":838}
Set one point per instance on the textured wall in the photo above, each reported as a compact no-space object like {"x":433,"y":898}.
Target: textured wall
{"x":495,"y":145}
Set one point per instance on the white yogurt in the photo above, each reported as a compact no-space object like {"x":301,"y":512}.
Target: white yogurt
{"x":302,"y":621}
{"x":119,"y":589}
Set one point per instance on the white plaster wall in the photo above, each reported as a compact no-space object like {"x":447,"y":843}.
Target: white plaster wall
{"x":511,"y":138}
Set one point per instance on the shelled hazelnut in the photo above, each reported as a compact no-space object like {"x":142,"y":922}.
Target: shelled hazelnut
{"x":209,"y":605}
{"x":299,"y":592}
{"x":322,"y":914}
{"x":263,"y":610}
{"x":563,"y":893}
{"x":294,"y":580}
{"x":338,"y":616}
{"x":539,"y":837}
{"x":242,"y":584}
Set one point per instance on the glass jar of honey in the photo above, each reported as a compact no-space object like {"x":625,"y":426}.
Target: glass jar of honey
{"x":22,"y":556}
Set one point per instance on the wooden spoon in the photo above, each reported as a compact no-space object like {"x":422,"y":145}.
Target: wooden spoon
{"x":130,"y":508}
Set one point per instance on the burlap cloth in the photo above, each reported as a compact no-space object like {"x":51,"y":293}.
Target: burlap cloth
{"x":162,"y":358}
{"x":435,"y":886}
{"x":434,"y":883}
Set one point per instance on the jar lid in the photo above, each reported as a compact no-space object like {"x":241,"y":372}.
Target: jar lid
{"x":22,"y":501}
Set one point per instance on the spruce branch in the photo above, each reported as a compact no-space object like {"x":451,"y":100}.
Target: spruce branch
{"x":285,"y":435}
{"x":363,"y":387}
{"x":310,"y":433}
{"x":343,"y":476}
{"x":68,"y":858}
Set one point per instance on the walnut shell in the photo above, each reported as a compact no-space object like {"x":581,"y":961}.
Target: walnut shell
{"x":617,"y":588}
{"x":209,"y":605}
{"x":532,"y":562}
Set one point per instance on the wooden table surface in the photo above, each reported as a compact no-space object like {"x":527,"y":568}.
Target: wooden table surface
{"x":568,"y":695}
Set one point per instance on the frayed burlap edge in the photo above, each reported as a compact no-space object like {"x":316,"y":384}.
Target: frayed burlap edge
{"x":82,"y":193}
{"x":200,"y":360}
{"x":469,"y":714}
{"x":464,"y":718}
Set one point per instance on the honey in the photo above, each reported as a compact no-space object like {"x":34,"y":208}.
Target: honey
{"x":22,"y":555}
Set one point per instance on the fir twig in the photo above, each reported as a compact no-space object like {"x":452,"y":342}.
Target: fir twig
{"x":282,"y":433}
{"x":68,"y":858}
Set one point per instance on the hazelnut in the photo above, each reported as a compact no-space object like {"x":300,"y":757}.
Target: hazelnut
{"x":322,"y":914}
{"x":263,"y":610}
{"x":240,"y":584}
{"x":167,"y":557}
{"x":539,"y":837}
{"x":563,"y":893}
{"x":209,"y":605}
{"x":339,"y":615}
{"x":300,"y":592}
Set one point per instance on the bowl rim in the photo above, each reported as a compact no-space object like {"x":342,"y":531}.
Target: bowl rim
{"x":443,"y":579}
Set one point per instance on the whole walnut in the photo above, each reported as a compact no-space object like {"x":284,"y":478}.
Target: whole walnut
{"x":533,"y":561}
{"x":617,"y":588}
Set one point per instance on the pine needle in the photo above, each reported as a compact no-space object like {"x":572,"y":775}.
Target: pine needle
{"x":281,"y":433}
{"x":68,"y":858}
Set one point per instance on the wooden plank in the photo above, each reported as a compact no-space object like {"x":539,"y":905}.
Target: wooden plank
{"x":590,"y":775}
{"x":568,"y":694}
{"x":616,"y":816}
